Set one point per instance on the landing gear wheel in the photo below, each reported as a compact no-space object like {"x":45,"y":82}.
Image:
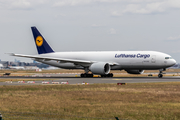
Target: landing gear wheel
{"x":108,"y":75}
{"x":160,"y":75}
{"x":102,"y":75}
{"x":91,"y":75}
{"x":86,"y":75}
{"x":82,"y":75}
{"x":111,"y":75}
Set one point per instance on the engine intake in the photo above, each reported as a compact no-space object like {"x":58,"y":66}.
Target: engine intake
{"x":135,"y":71}
{"x":100,"y":68}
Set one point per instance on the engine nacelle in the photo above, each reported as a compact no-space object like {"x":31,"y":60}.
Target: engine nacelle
{"x":135,"y":71}
{"x":100,"y":68}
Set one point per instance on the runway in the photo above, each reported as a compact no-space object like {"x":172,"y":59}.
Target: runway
{"x":78,"y":80}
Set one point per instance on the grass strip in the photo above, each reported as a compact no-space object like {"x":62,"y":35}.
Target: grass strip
{"x":155,"y":101}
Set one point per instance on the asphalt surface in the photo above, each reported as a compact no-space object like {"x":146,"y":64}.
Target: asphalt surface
{"x":78,"y":80}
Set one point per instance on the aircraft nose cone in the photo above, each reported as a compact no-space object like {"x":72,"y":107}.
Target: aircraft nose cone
{"x":173,"y":62}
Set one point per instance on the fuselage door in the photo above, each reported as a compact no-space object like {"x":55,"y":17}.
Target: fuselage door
{"x":153,"y":59}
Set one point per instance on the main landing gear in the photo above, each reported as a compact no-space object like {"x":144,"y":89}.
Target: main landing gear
{"x":160,"y":75}
{"x":91,"y":75}
{"x":86,"y":75}
{"x":108,"y":75}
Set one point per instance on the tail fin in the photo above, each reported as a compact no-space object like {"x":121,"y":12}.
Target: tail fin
{"x":41,"y":44}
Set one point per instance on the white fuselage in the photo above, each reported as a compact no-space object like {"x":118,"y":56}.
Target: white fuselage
{"x":128,"y":60}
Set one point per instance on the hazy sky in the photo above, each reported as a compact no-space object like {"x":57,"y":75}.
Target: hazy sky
{"x":96,"y":25}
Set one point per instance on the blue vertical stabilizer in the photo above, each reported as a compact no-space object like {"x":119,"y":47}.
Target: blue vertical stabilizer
{"x":41,"y":44}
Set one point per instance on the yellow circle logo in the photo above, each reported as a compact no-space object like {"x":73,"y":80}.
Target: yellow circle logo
{"x":39,"y":41}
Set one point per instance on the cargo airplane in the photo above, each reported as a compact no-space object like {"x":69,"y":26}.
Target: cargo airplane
{"x":100,"y":63}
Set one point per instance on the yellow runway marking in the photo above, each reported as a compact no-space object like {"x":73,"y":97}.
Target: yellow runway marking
{"x":127,"y":79}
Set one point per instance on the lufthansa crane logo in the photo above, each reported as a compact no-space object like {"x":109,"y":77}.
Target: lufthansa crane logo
{"x":39,"y":41}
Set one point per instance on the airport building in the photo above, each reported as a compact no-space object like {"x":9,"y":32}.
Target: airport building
{"x":22,"y":65}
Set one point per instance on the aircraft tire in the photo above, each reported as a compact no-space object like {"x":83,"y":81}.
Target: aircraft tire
{"x":160,"y":75}
{"x":108,"y":75}
{"x":102,"y":75}
{"x":91,"y":75}
{"x":82,"y":75}
{"x":86,"y":75}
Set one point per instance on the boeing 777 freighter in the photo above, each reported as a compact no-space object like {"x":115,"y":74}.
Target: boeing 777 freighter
{"x":100,"y":63}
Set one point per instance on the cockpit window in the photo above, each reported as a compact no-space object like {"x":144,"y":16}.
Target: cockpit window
{"x":168,"y":57}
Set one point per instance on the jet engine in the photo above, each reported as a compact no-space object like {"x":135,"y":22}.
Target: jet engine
{"x":135,"y":71}
{"x":100,"y":68}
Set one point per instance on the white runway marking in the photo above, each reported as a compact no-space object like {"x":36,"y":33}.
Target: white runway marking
{"x":116,"y":79}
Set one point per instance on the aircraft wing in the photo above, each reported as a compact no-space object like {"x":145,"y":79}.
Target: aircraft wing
{"x":57,"y":59}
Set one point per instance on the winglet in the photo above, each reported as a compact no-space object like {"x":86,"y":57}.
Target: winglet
{"x":41,"y":44}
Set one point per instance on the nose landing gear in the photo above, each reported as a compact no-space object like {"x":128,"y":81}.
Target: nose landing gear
{"x":160,"y":75}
